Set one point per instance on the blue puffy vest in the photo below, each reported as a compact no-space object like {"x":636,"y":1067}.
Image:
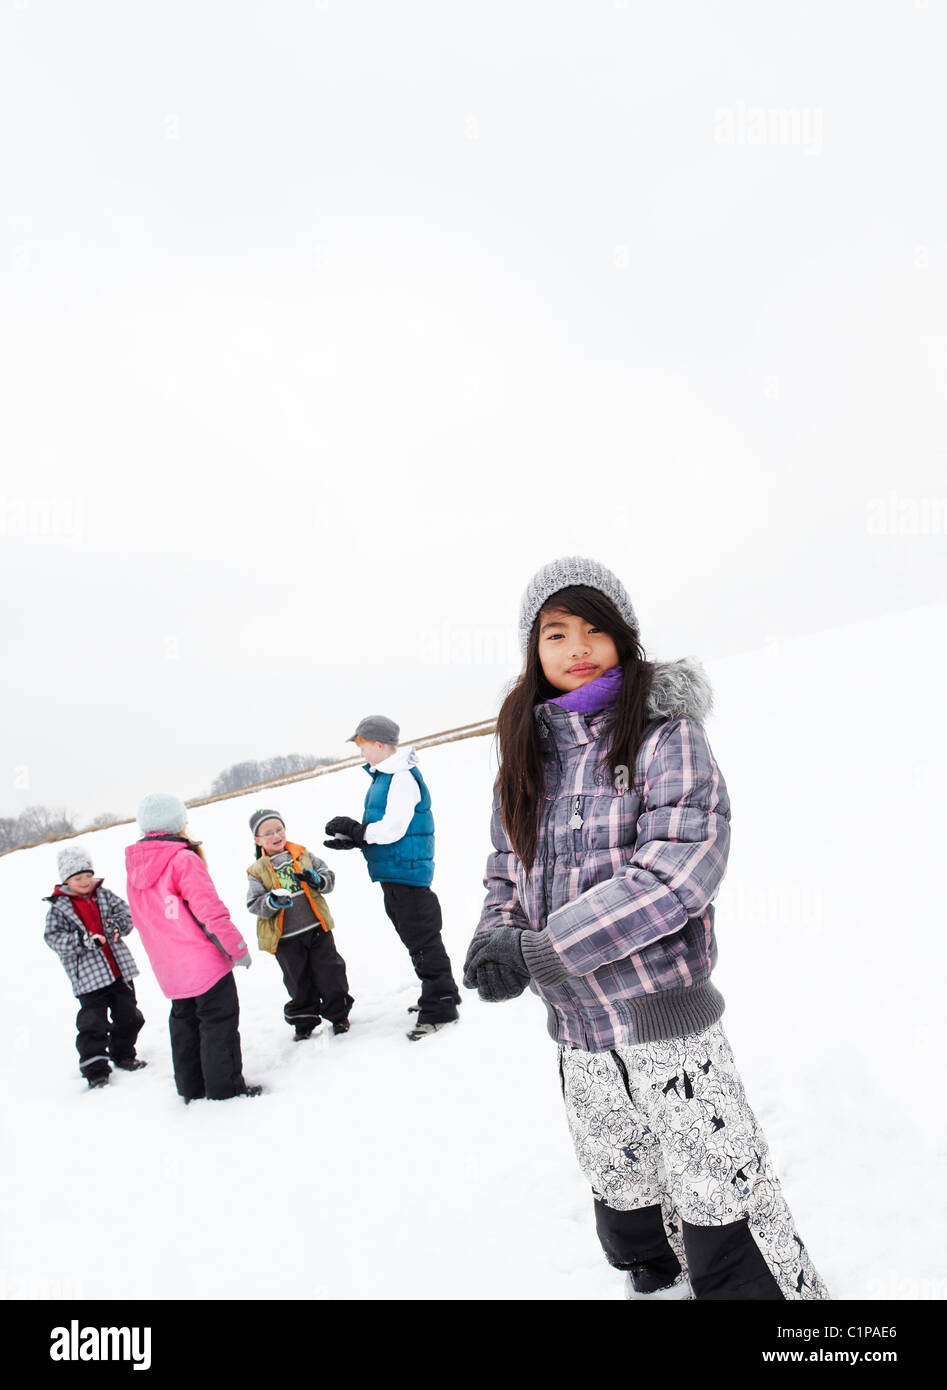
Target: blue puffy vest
{"x":410,"y":859}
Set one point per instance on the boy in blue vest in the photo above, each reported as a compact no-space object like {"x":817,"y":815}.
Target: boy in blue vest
{"x":396,"y":836}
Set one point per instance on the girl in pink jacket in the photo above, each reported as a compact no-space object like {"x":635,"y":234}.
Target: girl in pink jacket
{"x":193,"y":947}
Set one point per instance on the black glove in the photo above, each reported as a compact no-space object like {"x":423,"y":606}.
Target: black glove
{"x":348,"y":833}
{"x":315,"y":880}
{"x":502,"y":947}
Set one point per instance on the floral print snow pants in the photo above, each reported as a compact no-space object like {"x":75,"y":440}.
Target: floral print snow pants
{"x":681,"y":1171}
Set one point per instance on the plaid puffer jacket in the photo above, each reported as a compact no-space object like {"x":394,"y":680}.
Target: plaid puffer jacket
{"x":625,"y":875}
{"x":82,"y":957}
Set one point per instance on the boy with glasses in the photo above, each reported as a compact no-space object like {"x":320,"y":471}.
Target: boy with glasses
{"x":294,"y":923}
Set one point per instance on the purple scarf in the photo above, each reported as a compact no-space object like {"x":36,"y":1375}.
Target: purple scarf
{"x":594,"y":695}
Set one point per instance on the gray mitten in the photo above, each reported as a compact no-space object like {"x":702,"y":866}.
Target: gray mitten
{"x":503,"y":946}
{"x":497,"y":983}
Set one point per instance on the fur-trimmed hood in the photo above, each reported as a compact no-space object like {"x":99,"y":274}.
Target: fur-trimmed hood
{"x":680,"y":687}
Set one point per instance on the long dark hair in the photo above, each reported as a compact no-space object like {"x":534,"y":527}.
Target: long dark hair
{"x":521,"y":779}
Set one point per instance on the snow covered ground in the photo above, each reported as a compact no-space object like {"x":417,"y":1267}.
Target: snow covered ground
{"x":374,"y":1168}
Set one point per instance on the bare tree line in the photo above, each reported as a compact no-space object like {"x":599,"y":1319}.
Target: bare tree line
{"x":37,"y":825}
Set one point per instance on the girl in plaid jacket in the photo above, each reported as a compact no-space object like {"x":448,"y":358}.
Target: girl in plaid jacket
{"x":611,"y":833}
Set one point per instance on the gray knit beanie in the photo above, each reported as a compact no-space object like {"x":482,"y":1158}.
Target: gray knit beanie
{"x":264,"y":814}
{"x":74,"y":860}
{"x":561,"y":574}
{"x":161,"y":811}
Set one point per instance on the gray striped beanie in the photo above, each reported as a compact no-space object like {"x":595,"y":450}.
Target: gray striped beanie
{"x":264,"y":814}
{"x":560,"y":574}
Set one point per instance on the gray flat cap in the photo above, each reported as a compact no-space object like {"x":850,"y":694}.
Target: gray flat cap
{"x":378,"y":729}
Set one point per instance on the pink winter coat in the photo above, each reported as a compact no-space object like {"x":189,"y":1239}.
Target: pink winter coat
{"x":184,"y":927}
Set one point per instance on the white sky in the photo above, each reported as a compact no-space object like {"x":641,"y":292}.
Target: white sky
{"x":324,"y":324}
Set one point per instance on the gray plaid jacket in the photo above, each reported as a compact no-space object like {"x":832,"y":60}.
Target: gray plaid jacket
{"x":82,"y":957}
{"x":622,"y":885}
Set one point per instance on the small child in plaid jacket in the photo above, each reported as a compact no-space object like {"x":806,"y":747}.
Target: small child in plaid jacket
{"x":85,"y":926}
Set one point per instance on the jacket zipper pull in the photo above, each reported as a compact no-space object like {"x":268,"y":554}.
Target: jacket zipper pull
{"x":543,"y":728}
{"x":576,"y":823}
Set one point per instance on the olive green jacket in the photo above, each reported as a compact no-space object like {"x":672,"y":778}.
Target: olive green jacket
{"x":269,"y":929}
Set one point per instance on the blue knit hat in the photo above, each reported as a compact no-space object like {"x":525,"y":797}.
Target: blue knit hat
{"x":161,"y":811}
{"x":562,"y":574}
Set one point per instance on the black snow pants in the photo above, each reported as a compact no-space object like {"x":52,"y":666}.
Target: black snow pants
{"x":97,"y":1039}
{"x":205,"y":1043}
{"x":314,"y":976}
{"x":416,"y":914}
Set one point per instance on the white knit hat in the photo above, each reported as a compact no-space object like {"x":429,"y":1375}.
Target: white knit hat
{"x":561,"y":574}
{"x":75,"y":859}
{"x":161,"y":811}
